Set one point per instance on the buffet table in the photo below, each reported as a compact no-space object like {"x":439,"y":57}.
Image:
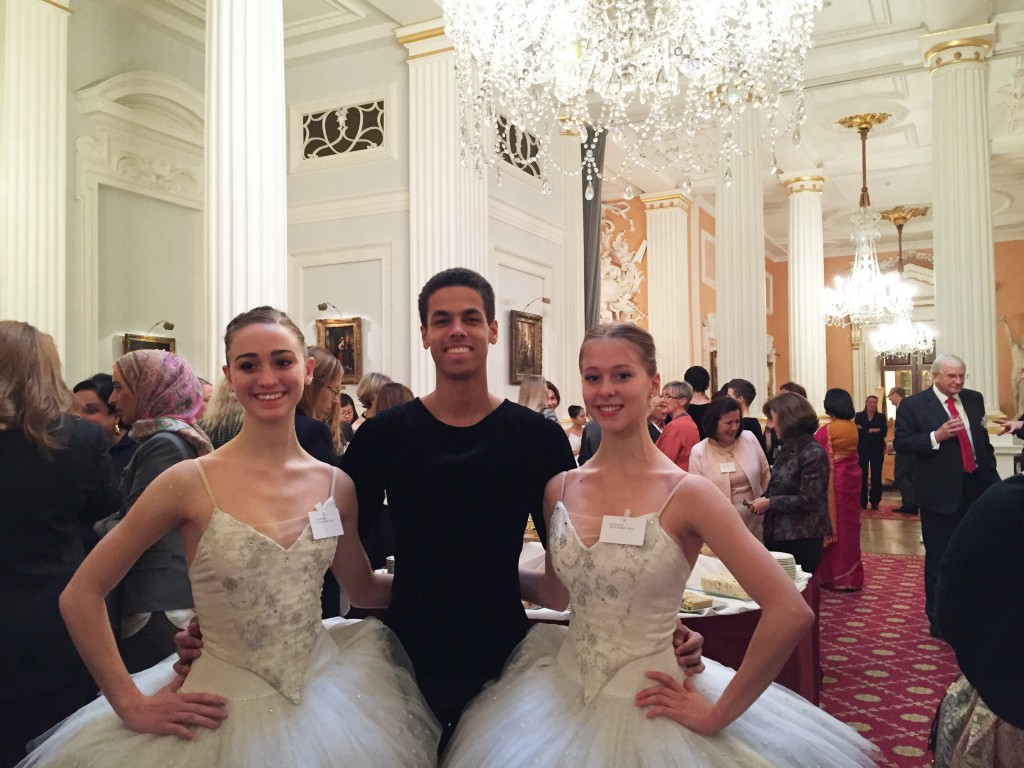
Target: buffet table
{"x":728,"y":626}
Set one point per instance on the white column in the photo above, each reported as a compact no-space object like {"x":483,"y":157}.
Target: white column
{"x":246,"y":192}
{"x":668,"y":281}
{"x":33,"y":166}
{"x":570,"y":310}
{"x":806,"y":282}
{"x":447,"y":200}
{"x":740,"y":305}
{"x":962,"y":208}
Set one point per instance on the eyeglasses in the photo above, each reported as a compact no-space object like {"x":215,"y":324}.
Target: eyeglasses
{"x":676,"y":397}
{"x":336,"y":391}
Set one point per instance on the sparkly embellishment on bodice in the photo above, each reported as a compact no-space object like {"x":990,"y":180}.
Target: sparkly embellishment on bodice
{"x":625,"y":599}
{"x":258,"y":602}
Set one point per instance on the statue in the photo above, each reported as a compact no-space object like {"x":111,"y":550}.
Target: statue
{"x":1017,"y":356}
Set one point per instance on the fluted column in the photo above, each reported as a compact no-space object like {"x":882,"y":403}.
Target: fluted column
{"x":33,"y":124}
{"x":668,"y":281}
{"x":806,"y":282}
{"x":246,"y":192}
{"x":962,"y":208}
{"x":447,"y":200}
{"x":569,"y":314}
{"x":741,"y":309}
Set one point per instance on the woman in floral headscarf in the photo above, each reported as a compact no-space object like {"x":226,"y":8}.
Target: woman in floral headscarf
{"x":158,"y":395}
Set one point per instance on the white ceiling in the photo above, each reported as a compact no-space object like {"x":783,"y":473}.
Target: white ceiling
{"x":867,"y":58}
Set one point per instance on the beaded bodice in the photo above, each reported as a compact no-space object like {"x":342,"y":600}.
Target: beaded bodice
{"x":625,"y":599}
{"x":258,"y":602}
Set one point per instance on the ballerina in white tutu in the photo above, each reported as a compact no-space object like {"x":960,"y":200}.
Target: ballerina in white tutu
{"x":607,"y":692}
{"x":261,"y":521}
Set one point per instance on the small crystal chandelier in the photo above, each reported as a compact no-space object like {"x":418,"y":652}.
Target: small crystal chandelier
{"x":865,"y":296}
{"x":902,"y":337}
{"x":654,"y":74}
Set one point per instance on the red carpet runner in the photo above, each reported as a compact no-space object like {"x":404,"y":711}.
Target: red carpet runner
{"x":883,"y":673}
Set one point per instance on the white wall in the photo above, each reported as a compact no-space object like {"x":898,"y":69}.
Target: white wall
{"x":144,"y":242}
{"x":150,"y":271}
{"x":348,"y":234}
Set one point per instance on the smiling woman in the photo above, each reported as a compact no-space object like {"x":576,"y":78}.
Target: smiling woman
{"x":260,"y":521}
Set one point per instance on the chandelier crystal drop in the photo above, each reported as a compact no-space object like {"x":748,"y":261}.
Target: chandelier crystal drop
{"x":865,"y":296}
{"x":902,"y":337}
{"x":655,"y":75}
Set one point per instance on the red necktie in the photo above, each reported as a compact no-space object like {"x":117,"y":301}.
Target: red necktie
{"x":965,"y":444}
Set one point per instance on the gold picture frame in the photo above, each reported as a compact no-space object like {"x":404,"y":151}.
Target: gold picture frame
{"x":136,"y":341}
{"x":526,"y":345}
{"x":343,"y":338}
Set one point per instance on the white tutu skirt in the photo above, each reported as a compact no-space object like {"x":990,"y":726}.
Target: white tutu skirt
{"x":360,"y":707}
{"x":535,"y":715}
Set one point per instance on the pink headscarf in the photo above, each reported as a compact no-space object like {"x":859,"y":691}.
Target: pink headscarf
{"x":167,"y":396}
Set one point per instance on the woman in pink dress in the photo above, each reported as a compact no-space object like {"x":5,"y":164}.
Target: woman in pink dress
{"x":841,"y":567}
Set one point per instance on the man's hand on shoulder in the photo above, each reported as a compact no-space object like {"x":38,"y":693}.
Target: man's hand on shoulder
{"x":688,"y":645}
{"x":189,"y":645}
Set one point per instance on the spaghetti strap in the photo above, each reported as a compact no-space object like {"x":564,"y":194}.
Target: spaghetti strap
{"x":206,"y":482}
{"x":561,"y":493}
{"x":334,"y":477}
{"x":670,"y":495}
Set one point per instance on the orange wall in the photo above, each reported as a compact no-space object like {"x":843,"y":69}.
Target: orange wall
{"x":778,"y":322}
{"x":1009,"y":302}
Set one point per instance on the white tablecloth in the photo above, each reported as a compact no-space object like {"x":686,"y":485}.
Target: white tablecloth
{"x":532,"y":557}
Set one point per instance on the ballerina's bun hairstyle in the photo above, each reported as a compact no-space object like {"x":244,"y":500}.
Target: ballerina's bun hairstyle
{"x":261,"y":316}
{"x":640,"y":339}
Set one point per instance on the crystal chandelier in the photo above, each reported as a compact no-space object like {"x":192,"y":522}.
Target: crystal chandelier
{"x":865,"y":296}
{"x":654,"y":74}
{"x":902,"y":337}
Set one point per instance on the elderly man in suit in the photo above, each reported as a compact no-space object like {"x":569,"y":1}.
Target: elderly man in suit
{"x":943,"y":429}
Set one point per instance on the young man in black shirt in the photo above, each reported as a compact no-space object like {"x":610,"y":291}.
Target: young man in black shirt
{"x":461,"y":469}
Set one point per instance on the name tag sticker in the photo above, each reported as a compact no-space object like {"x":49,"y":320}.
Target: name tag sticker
{"x":728,"y":466}
{"x":325,"y":522}
{"x":623,"y":530}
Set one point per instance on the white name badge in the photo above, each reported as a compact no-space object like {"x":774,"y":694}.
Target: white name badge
{"x":325,"y":521}
{"x":728,"y":466}
{"x":623,"y":530}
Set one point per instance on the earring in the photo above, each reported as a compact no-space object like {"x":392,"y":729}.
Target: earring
{"x":117,"y":429}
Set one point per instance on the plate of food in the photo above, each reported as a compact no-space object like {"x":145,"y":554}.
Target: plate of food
{"x":698,"y":604}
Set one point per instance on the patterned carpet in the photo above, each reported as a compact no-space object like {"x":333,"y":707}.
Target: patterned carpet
{"x":883,"y":673}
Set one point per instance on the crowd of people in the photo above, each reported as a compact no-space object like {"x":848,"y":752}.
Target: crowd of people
{"x":218,"y":627}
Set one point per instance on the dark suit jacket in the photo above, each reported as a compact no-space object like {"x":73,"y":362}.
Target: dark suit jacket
{"x":937,"y":475}
{"x":158,"y":580}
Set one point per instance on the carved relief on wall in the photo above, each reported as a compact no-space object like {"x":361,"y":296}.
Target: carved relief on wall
{"x":623,"y":267}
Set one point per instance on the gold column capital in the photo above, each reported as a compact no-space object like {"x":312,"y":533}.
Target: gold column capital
{"x":959,"y":46}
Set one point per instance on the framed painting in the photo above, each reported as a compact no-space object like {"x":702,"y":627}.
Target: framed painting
{"x":136,"y":341}
{"x":343,"y":338}
{"x":526,"y":345}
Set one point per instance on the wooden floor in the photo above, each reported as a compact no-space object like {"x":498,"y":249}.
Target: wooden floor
{"x":892,"y":537}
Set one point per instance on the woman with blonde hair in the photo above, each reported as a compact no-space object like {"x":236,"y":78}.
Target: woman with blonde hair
{"x":607,"y":691}
{"x":222,"y":419}
{"x":533,"y":394}
{"x":56,"y":480}
{"x":320,"y":398}
{"x":366,"y":393}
